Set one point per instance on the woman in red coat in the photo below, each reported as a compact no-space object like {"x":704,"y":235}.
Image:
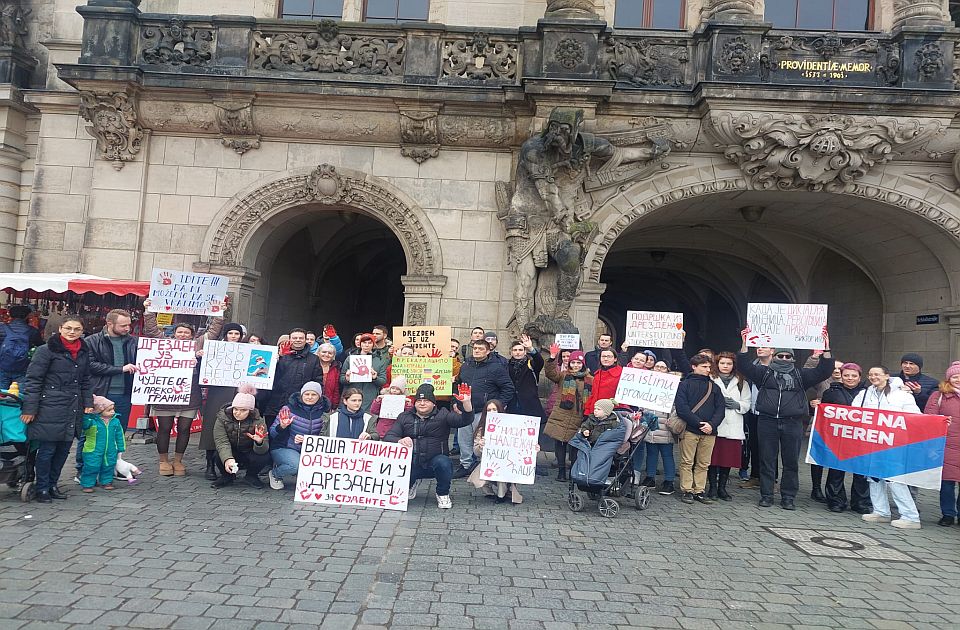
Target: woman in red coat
{"x":327,"y":354}
{"x":605,"y":380}
{"x":946,"y":402}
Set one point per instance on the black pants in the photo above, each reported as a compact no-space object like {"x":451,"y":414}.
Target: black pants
{"x":165,"y":426}
{"x":781,"y":437}
{"x":561,"y":449}
{"x":837,"y":494}
{"x":252,"y":462}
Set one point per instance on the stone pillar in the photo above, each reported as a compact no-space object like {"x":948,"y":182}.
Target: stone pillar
{"x":953,"y":322}
{"x":586,"y":309}
{"x":918,"y":13}
{"x":421,"y":303}
{"x":110,"y":32}
{"x":243,"y":284}
{"x":11,"y":159}
{"x":733,"y":10}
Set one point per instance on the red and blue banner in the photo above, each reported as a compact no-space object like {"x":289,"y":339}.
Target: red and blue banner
{"x":891,"y":445}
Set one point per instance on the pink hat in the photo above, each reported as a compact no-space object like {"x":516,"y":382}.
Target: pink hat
{"x":953,"y":370}
{"x":245,"y":398}
{"x":577,"y":355}
{"x":101,"y":404}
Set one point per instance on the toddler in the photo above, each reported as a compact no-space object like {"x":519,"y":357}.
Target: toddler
{"x":103,"y":443}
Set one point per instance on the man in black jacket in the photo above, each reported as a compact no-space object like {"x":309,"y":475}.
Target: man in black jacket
{"x":700,"y":404}
{"x":592,"y":358}
{"x":921,"y":385}
{"x":294,"y":370}
{"x":782,"y":409}
{"x":426,"y":430}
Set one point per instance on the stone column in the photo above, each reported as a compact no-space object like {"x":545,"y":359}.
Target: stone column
{"x":11,"y":159}
{"x":735,"y":10}
{"x":422,"y":296}
{"x":243,"y":284}
{"x":918,"y":13}
{"x":586,"y":309}
{"x":953,"y":322}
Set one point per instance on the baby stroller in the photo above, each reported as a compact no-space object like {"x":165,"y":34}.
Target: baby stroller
{"x":16,"y":458}
{"x":605,"y":470}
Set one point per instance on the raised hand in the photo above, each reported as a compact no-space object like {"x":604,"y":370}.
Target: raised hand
{"x":464,"y":392}
{"x":527,"y":343}
{"x":285,"y":417}
{"x":554,"y":350}
{"x":826,"y":339}
{"x":329,"y":331}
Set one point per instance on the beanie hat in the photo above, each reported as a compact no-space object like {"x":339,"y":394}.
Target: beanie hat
{"x":312,"y":386}
{"x":245,"y":398}
{"x":490,"y":336}
{"x":231,"y":326}
{"x":851,"y":366}
{"x":913,"y":357}
{"x":400,"y":382}
{"x":425,"y":392}
{"x":101,"y":404}
{"x":650,"y":353}
{"x":784,"y":351}
{"x":953,"y":370}
{"x":367,"y":337}
{"x":577,"y":355}
{"x":603,"y":408}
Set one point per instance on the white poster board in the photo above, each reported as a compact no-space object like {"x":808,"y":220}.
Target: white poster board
{"x":568,"y":341}
{"x":164,"y":371}
{"x":647,"y":389}
{"x":796,"y":326}
{"x":187,"y":293}
{"x":391,"y":406}
{"x":338,"y":471}
{"x":229,"y":364}
{"x":510,"y":448}
{"x":359,"y":368}
{"x":654,"y":329}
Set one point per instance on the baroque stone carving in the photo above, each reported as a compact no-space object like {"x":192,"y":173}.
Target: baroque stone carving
{"x":646,"y":62}
{"x":476,"y":131}
{"x":571,"y":8}
{"x":237,"y":130}
{"x":327,"y":50}
{"x":327,"y":186}
{"x":737,"y":56}
{"x":921,"y":10}
{"x":479,"y":59}
{"x":929,"y":61}
{"x":542,"y":230}
{"x":177,"y":44}
{"x":569,"y":53}
{"x":890,"y":68}
{"x":816,"y":153}
{"x":416,"y":314}
{"x":13,"y":23}
{"x":114,"y":123}
{"x":419,"y":135}
{"x":827,"y":46}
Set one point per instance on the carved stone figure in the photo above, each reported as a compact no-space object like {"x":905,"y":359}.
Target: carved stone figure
{"x":736,"y":9}
{"x":13,"y":23}
{"x":929,"y":61}
{"x":177,"y":44}
{"x":326,"y":50}
{"x":235,"y":120}
{"x":114,"y":123}
{"x":737,"y":56}
{"x":479,"y":59}
{"x":419,"y":135}
{"x":542,"y":229}
{"x":646,"y":62}
{"x":571,"y":8}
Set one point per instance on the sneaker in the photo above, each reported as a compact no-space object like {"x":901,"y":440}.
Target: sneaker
{"x":253,"y":481}
{"x":454,"y":452}
{"x":687,"y":497}
{"x":666,"y":488}
{"x":462,"y":472}
{"x":649,"y":482}
{"x":276,"y":484}
{"x":873,"y":517}
{"x":444,"y":502}
{"x":904,"y":524}
{"x":750,"y":484}
{"x":702,"y":498}
{"x":744,"y":475}
{"x":413,"y":490}
{"x":788,"y":504}
{"x":765,"y":502}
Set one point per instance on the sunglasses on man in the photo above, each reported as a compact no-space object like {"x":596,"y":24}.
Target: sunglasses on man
{"x":784,"y":355}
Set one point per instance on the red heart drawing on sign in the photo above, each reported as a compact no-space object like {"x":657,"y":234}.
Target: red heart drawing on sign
{"x":206,"y":380}
{"x":531,"y":431}
{"x":318,"y":495}
{"x":488,"y":472}
{"x":436,"y":377}
{"x":679,"y":326}
{"x":527,"y":460}
{"x":168,"y":308}
{"x":491,"y":428}
{"x":305,"y":494}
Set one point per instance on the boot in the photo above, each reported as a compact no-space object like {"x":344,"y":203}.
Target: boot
{"x":816,"y":477}
{"x":211,"y":472}
{"x":179,"y":470}
{"x":712,"y":474}
{"x":817,"y":495}
{"x":722,"y":485}
{"x":562,"y":474}
{"x":165,"y":468}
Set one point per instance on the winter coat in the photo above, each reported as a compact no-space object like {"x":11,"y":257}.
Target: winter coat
{"x":384,"y":424}
{"x":230,"y":435}
{"x":152,"y":330}
{"x":525,"y":375}
{"x":597,"y":427}
{"x":102,"y":369}
{"x":691,"y":391}
{"x":605,"y":381}
{"x":102,"y":444}
{"x":928,"y":385}
{"x":368,"y":426}
{"x":774,"y":397}
{"x":838,"y":394}
{"x":294,"y":370}
{"x":331,"y":383}
{"x":369,"y":390}
{"x":563,"y":424}
{"x":732,"y":425}
{"x":592,"y":359}
{"x":489,"y":380}
{"x":430,"y":434}
{"x":948,"y":405}
{"x":56,"y":390}
{"x":306,"y":420}
{"x":895,"y":400}
{"x":217,"y":398}
{"x":662,"y":435}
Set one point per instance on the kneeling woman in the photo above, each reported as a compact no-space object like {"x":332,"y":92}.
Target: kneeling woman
{"x":304,"y":414}
{"x":492,"y":489}
{"x":241,"y":439}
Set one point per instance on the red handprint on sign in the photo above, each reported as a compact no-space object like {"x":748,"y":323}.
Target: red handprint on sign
{"x":166,"y":278}
{"x":435,"y":353}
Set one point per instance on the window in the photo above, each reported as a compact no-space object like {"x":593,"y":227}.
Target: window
{"x":666,"y":14}
{"x":312,"y":9}
{"x":394,"y":11}
{"x":820,"y":15}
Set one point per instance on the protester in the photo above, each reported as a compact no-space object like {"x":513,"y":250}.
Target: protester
{"x":113,"y":358}
{"x":573,"y":389}
{"x":524,"y":366}
{"x":293,"y":371}
{"x":886,"y":393}
{"x":492,"y":489}
{"x":103,"y":442}
{"x":218,"y":397}
{"x":729,"y":443}
{"x":381,"y":343}
{"x":305,"y":413}
{"x":600,"y":420}
{"x":255,"y":339}
{"x":701,"y":405}
{"x":751,"y":459}
{"x":592,"y":358}
{"x":350,"y":421}
{"x":56,"y":392}
{"x":946,"y":402}
{"x":312,"y":344}
{"x":844,"y":393}
{"x":331,"y":368}
{"x":562,"y":364}
{"x":241,"y":438}
{"x":919,"y":384}
{"x":466,"y":351}
{"x":378,"y":372}
{"x":491,"y":338}
{"x":658,"y":444}
{"x":782,"y":408}
{"x":605,"y":379}
{"x":17,"y":338}
{"x":397,"y":387}
{"x":813,"y":395}
{"x":426,"y":430}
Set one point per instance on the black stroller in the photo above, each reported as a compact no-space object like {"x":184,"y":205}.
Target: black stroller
{"x":16,"y":458}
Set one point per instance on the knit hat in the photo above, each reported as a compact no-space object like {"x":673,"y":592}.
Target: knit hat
{"x":400,"y":382}
{"x":312,"y":386}
{"x":953,"y":370}
{"x":101,"y":404}
{"x":913,"y":357}
{"x":603,"y":408}
{"x":367,"y":337}
{"x":490,"y":336}
{"x":577,"y":355}
{"x":245,"y":398}
{"x":650,"y":353}
{"x":784,"y":351}
{"x":231,"y":326}
{"x":851,"y":366}
{"x":425,"y":392}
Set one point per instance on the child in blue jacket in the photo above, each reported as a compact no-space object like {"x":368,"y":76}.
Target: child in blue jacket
{"x":103,"y":442}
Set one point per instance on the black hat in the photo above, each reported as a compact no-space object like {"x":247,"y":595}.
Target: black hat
{"x":425,"y":392}
{"x":913,"y":357}
{"x":231,"y":326}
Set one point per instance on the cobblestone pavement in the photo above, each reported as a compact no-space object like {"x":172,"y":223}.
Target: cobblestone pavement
{"x":174,"y":553}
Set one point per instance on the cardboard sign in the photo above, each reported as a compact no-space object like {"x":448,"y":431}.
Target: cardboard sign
{"x":797,"y":326}
{"x":186,"y":293}
{"x":510,"y":448}
{"x":164,"y":371}
{"x":164,"y":319}
{"x":228,"y":364}
{"x":568,"y":341}
{"x":360,"y":368}
{"x":427,"y":341}
{"x":891,"y":445}
{"x":647,"y":389}
{"x":338,"y":471}
{"x":654,"y":329}
{"x":438,"y":371}
{"x":392,"y":405}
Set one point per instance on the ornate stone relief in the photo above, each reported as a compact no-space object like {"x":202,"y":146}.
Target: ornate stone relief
{"x":713,"y":9}
{"x":646,"y":62}
{"x":235,"y":120}
{"x":737,"y":56}
{"x":891,"y":66}
{"x":479,"y":59}
{"x":817,"y":153}
{"x":475,"y":131}
{"x":929,"y":61}
{"x":419,"y":135}
{"x":827,"y":46}
{"x":327,"y":50}
{"x":569,"y":53}
{"x":13,"y":23}
{"x":114,"y":123}
{"x":177,"y":44}
{"x":416,"y":314}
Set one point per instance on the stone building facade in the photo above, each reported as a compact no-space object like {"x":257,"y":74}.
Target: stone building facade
{"x":352,"y":172}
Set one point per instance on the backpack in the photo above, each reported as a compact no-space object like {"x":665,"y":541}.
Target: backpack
{"x":15,"y":349}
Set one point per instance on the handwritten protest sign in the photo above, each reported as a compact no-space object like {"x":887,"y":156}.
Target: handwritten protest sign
{"x":892,"y":445}
{"x":337,"y":471}
{"x":510,"y":448}
{"x":568,"y":341}
{"x":647,"y":389}
{"x":186,"y":293}
{"x":360,"y":368}
{"x":164,"y":319}
{"x":164,"y":371}
{"x":438,"y":371}
{"x":797,"y":326}
{"x":229,"y":364}
{"x":654,"y":329}
{"x":391,"y":406}
{"x":427,"y":341}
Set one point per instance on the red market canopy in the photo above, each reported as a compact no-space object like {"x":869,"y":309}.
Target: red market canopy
{"x":75,"y":282}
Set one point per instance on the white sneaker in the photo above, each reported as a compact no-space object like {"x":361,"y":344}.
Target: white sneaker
{"x":276,"y":484}
{"x":904,"y":524}
{"x":873,"y":517}
{"x":444,"y":502}
{"x":413,"y":490}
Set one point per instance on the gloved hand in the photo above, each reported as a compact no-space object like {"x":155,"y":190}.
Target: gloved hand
{"x":730,"y":403}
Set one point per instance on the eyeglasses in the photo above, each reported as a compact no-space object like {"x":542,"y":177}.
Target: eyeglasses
{"x":784,"y":356}
{"x":71,"y":329}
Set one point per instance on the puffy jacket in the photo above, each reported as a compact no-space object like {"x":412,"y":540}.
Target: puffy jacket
{"x":230,"y":436}
{"x":691,"y":391}
{"x":489,"y":380}
{"x":605,"y":381}
{"x":948,"y":405}
{"x":430,"y":434}
{"x":307,"y":420}
{"x":56,"y":390}
{"x":928,"y":385}
{"x":294,"y":370}
{"x":894,"y":400}
{"x":732,"y":425}
{"x":102,"y":369}
{"x":774,"y":397}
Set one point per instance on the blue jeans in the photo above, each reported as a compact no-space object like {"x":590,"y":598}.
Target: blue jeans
{"x":286,"y":462}
{"x":51,"y":456}
{"x":438,"y":467}
{"x":949,"y":501}
{"x":465,"y":439}
{"x":6,"y":378}
{"x":638,"y":454}
{"x":665,"y":451}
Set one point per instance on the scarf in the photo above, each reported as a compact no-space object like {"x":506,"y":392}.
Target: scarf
{"x":726,"y":378}
{"x":350,"y":424}
{"x":517,"y":367}
{"x":570,"y":396}
{"x":73,"y":347}
{"x":784,"y":372}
